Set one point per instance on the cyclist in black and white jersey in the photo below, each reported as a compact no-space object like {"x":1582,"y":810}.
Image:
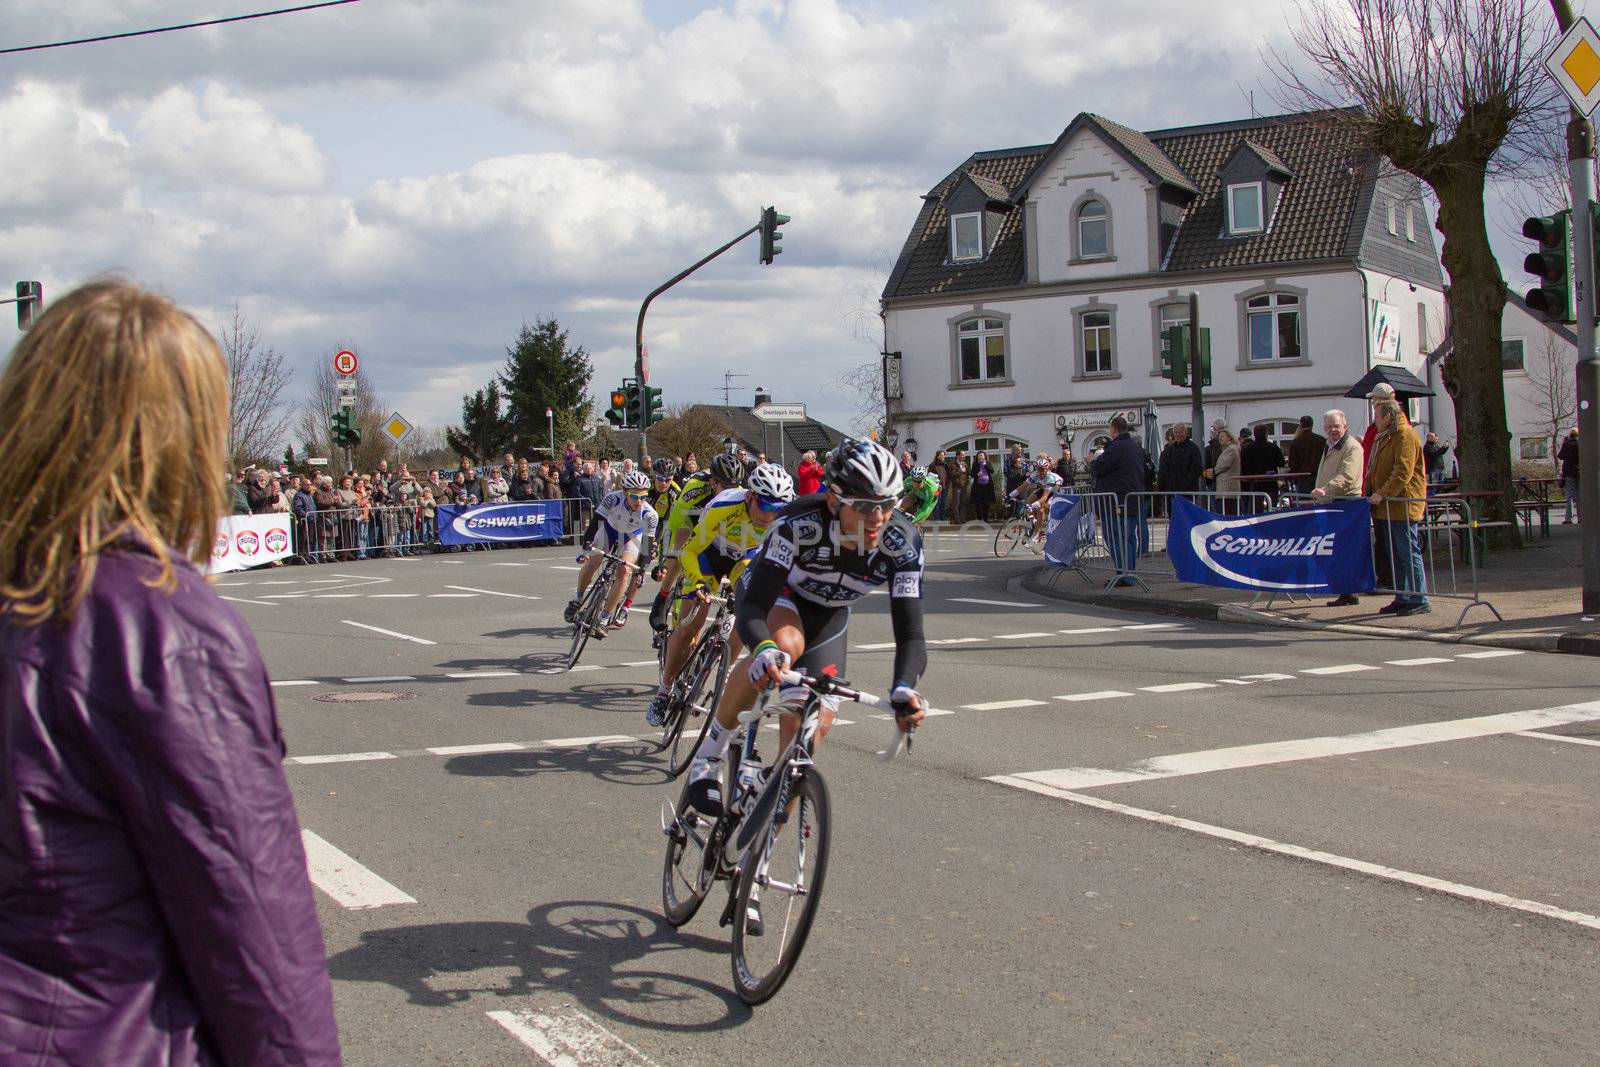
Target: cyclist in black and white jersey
{"x":622,"y":522}
{"x":821,"y":554}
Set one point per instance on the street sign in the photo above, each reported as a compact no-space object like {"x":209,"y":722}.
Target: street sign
{"x":317,"y":461}
{"x":345,"y":363}
{"x":397,"y":427}
{"x":347,"y":393}
{"x":1574,"y":63}
{"x":780,"y":413}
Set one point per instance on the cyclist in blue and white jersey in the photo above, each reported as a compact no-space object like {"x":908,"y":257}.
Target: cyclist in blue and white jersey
{"x":626,"y":523}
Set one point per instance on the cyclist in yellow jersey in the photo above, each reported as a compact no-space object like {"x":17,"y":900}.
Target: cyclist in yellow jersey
{"x":725,"y":473}
{"x":726,"y":538}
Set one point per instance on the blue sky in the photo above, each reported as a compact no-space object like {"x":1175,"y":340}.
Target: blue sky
{"x":417,"y":177}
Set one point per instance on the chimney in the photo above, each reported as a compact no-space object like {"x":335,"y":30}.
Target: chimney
{"x":762,"y":397}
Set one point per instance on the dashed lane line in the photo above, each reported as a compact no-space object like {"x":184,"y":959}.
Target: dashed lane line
{"x":1101,"y":694}
{"x":1090,"y":630}
{"x":496,"y":592}
{"x":1419,"y":661}
{"x":1177,"y":687}
{"x":244,"y":600}
{"x":475,"y":750}
{"x":1243,"y":757}
{"x":346,"y":881}
{"x":381,"y":678}
{"x":464,"y":750}
{"x":1493,"y":653}
{"x":995,"y":603}
{"x":388,"y":633}
{"x":391,"y":596}
{"x":300,"y":681}
{"x":1002,"y":705}
{"x":1019,"y":637}
{"x":1541,"y":735}
{"x":1267,"y":844}
{"x":1342,"y":668}
{"x":566,"y":1037}
{"x":452,"y":596}
{"x":343,"y":757}
{"x":467,"y":675}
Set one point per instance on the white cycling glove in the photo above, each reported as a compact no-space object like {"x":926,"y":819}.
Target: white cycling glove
{"x":767,"y":657}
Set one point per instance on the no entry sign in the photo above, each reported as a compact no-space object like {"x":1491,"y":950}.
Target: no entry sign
{"x":345,"y":363}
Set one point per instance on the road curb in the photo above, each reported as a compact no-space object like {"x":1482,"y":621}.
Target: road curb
{"x":1576,"y":644}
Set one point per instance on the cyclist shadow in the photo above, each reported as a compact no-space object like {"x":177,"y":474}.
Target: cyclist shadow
{"x":532,"y":661}
{"x":585,"y":949}
{"x":617,"y":697}
{"x":563,"y":633}
{"x":626,"y":763}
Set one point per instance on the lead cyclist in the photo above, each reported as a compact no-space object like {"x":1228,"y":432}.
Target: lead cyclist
{"x":821,"y":553}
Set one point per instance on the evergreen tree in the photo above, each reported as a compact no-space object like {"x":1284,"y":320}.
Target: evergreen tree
{"x":541,"y":372}
{"x":484,"y":432}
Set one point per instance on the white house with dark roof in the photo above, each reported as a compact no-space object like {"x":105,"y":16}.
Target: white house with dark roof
{"x":1028,"y":301}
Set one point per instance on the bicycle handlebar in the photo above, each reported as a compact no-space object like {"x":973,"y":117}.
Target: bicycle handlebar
{"x":830,"y":687}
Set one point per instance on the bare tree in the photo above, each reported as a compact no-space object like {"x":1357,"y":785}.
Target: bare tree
{"x":312,"y":426}
{"x":688,"y":428}
{"x":257,"y":378}
{"x":1552,"y":389}
{"x":1452,"y":92}
{"x":862,"y":385}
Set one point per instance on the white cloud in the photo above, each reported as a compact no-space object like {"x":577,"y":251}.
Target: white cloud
{"x":62,"y":158}
{"x":218,"y":137}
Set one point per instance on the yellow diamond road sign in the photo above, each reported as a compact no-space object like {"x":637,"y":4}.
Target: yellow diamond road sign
{"x":397,"y":427}
{"x":1575,"y":65}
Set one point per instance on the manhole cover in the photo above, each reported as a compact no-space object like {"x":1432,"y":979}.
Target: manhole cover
{"x":362,"y":696}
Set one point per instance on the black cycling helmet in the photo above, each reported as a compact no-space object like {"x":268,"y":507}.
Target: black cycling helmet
{"x":727,"y":469}
{"x":665,"y":467}
{"x":864,"y":469}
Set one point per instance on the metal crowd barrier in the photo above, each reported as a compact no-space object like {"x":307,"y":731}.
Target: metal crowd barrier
{"x":345,"y":534}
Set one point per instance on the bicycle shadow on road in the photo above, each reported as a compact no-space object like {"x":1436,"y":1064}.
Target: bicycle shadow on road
{"x":553,"y":633}
{"x":575,"y":948}
{"x":530,"y":661}
{"x":625,"y":763}
{"x":603,"y":696}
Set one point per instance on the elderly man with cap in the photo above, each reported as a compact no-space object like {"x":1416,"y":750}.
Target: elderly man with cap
{"x":1380,"y":550}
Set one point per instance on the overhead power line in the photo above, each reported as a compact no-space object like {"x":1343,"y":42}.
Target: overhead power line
{"x":170,"y":29}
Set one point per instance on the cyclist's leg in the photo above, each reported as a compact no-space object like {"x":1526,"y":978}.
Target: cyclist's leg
{"x":591,"y":563}
{"x":629,"y":551}
{"x":740,"y":692}
{"x":681,"y":643}
{"x":825,"y":632}
{"x":669,"y":575}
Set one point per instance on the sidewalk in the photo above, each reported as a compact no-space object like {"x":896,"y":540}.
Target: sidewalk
{"x":1537,"y":589}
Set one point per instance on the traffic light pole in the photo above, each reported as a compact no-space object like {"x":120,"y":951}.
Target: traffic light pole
{"x":1197,"y":410}
{"x":641,"y":371}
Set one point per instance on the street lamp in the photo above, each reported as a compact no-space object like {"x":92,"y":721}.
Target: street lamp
{"x":891,"y":438}
{"x":911,"y":446}
{"x":550,"y":417}
{"x":727,"y":445}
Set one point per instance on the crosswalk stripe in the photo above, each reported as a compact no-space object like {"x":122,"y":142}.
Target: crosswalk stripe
{"x":345,"y":880}
{"x":1343,"y":668}
{"x":1493,"y":653}
{"x":1001,"y":705}
{"x":1177,"y":687}
{"x":1100,"y":694}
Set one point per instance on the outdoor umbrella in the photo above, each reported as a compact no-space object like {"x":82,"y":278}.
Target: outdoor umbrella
{"x":1406,"y":385}
{"x":1152,"y":431}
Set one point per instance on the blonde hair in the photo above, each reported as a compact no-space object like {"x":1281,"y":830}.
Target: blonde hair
{"x":1388,"y":407}
{"x":113,"y":414}
{"x":1225,"y":436}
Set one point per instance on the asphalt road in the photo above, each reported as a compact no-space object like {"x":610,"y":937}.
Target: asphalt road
{"x":1133,"y":839}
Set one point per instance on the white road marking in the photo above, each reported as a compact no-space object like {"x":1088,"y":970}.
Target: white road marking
{"x":1493,"y":653}
{"x":343,"y":757}
{"x":1177,"y":687}
{"x":468,"y":750}
{"x":284,"y":596}
{"x":1266,"y":844}
{"x":384,"y":678}
{"x":324,"y":581}
{"x":242,"y":600}
{"x":1154,"y":626}
{"x":927,"y":713}
{"x":390,"y":596}
{"x":388,"y":633}
{"x":280,"y":581}
{"x":564,"y":567}
{"x":580,"y":742}
{"x":1267,"y":677}
{"x":1091,"y":630}
{"x":334,"y":596}
{"x":875,"y":647}
{"x":484,"y":674}
{"x":584,"y":667}
{"x":640,"y":663}
{"x":1001,"y":705}
{"x":452,"y":596}
{"x":1420,"y":661}
{"x":996,"y":603}
{"x":295,"y":683}
{"x":1559,"y":737}
{"x":569,"y":1038}
{"x":1343,"y":668}
{"x":510,"y":564}
{"x":1017,"y":637}
{"x":956,"y":641}
{"x":1245,"y":756}
{"x":1100,"y":694}
{"x":345,"y":880}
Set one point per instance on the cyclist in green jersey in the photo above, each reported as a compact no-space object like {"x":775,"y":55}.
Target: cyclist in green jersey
{"x":921,"y":494}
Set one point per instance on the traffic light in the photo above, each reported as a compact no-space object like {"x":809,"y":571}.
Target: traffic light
{"x":770,"y":221}
{"x":654,"y":408}
{"x":30,"y":301}
{"x":635,"y":404}
{"x":1554,"y":297}
{"x":344,"y":430}
{"x":1175,"y":355}
{"x":616,"y":414}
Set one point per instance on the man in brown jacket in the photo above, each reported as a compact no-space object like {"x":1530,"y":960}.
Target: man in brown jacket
{"x":1399,"y":486}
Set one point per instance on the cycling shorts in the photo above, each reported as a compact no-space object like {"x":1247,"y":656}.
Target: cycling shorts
{"x":607,"y":536}
{"x":825,"y":630}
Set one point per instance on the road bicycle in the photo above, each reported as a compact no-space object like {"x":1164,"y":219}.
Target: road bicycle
{"x":769,"y":842}
{"x":591,"y":617}
{"x":697,"y":690}
{"x":1017,"y":530}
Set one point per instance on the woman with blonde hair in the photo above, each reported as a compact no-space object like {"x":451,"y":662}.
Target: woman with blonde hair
{"x":157,"y":906}
{"x":1226,"y":472}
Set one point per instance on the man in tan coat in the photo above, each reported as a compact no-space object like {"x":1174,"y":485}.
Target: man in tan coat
{"x":1399,"y":484}
{"x":1339,"y":475}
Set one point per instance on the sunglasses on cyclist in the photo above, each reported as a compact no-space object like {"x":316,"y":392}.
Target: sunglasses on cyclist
{"x":768,"y":504}
{"x":638,"y":496}
{"x":868,"y":505}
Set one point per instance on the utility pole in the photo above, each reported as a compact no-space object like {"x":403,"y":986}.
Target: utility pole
{"x":1580,"y":176}
{"x":1197,"y":411}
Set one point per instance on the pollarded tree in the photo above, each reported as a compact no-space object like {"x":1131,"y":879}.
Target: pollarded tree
{"x":688,"y":428}
{"x":1452,"y":92}
{"x":541,"y":372}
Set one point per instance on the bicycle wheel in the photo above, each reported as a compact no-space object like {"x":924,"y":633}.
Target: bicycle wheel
{"x":588,"y":609}
{"x":701,"y":696}
{"x":787,"y":868}
{"x":1012,"y":533}
{"x":690,"y":867}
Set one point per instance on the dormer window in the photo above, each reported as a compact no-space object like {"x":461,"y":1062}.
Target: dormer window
{"x":1245,"y":213}
{"x":1093,"y":238}
{"x":966,"y":236}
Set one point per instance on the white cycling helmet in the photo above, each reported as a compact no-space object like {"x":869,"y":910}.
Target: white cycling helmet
{"x":635,"y":481}
{"x":771,"y":481}
{"x":917,"y":474}
{"x":864,"y":469}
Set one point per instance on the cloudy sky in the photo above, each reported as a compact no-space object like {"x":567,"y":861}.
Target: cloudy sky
{"x":417,"y":177}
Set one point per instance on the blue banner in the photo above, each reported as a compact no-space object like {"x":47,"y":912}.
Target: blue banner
{"x":1321,"y":549}
{"x":1070,"y":528}
{"x":528,"y":520}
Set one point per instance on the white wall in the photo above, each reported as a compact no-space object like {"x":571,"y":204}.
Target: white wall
{"x":1540,"y":343}
{"x":1083,"y":165}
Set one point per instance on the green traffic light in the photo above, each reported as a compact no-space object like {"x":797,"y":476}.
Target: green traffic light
{"x":1554,"y":297}
{"x":770,"y":221}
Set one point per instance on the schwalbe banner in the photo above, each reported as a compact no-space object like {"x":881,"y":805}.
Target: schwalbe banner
{"x":1322,"y":549}
{"x":538,"y":520}
{"x":1070,"y":528}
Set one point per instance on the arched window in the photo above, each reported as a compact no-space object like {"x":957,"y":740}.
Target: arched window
{"x":1094,"y":234}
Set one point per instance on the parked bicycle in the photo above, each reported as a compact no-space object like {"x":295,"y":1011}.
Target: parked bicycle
{"x":769,"y":843}
{"x":591,"y":617}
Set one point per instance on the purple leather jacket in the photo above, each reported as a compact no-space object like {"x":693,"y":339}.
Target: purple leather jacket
{"x":154,"y":902}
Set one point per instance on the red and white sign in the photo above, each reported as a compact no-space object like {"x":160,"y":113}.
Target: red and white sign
{"x":345,"y":363}
{"x":249,"y":541}
{"x":981,"y":425}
